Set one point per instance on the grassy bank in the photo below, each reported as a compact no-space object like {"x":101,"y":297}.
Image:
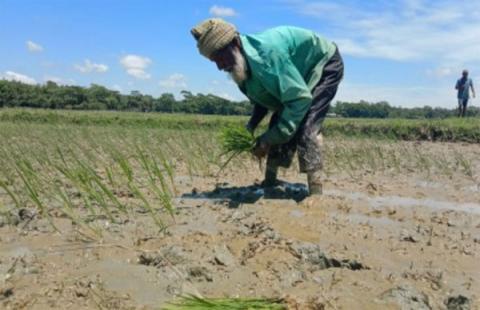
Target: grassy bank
{"x":446,"y":130}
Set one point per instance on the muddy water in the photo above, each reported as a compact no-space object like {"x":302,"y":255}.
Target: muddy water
{"x":409,"y":202}
{"x":377,"y":243}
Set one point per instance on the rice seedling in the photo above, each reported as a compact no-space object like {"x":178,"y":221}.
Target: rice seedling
{"x":198,"y":303}
{"x":98,"y":166}
{"x":235,"y":141}
{"x":5,"y":186}
{"x":53,"y":172}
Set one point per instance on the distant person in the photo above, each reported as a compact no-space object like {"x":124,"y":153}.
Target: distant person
{"x":463,"y":86}
{"x":290,"y":71}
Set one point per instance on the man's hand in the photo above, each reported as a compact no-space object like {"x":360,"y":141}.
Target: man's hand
{"x":261,"y":149}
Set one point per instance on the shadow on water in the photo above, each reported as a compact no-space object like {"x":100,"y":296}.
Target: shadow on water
{"x":236,"y":195}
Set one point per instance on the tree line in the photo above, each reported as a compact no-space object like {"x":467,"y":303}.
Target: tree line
{"x":96,"y":97}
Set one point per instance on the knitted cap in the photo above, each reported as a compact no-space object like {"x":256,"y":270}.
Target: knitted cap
{"x":212,"y":35}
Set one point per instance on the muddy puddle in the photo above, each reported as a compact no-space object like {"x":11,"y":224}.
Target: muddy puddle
{"x":252,"y":193}
{"x":408,"y":202}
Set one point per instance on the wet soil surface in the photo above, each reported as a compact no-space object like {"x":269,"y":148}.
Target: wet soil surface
{"x":374,"y":242}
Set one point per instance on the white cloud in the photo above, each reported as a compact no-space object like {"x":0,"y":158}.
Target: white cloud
{"x":175,"y":80}
{"x":136,"y":65}
{"x":441,"y":72}
{"x":220,"y":11}
{"x":33,"y":47}
{"x":89,"y":66}
{"x":350,"y":47}
{"x":402,"y":30}
{"x":439,"y":35}
{"x":14,"y":76}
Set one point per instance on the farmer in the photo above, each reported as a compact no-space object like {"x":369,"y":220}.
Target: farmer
{"x":290,"y":71}
{"x":463,"y":86}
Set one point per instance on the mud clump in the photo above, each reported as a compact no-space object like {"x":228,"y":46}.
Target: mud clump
{"x":6,"y":292}
{"x":459,"y":302}
{"x":406,"y":297}
{"x":312,"y":254}
{"x":200,"y":273}
{"x":173,"y":255}
{"x":151,"y":260}
{"x":18,"y":216}
{"x":408,"y":237}
{"x":476,"y":239}
{"x":260,"y":228}
{"x":82,"y":288}
{"x":27,"y":214}
{"x":223,"y":256}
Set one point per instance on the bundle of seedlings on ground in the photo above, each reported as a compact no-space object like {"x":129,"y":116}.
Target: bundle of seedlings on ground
{"x":197,"y":303}
{"x":235,"y":141}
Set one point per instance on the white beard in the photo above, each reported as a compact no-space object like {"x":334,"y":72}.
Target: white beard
{"x":239,"y":70}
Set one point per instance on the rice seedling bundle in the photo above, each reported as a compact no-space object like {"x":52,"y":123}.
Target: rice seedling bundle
{"x":197,"y":303}
{"x":235,"y":141}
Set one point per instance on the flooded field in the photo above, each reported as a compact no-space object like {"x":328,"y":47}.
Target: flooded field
{"x":397,"y":228}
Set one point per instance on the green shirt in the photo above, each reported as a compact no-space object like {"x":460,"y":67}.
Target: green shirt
{"x":285,"y":64}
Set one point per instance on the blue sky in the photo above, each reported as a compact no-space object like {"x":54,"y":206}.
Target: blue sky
{"x":407,"y":52}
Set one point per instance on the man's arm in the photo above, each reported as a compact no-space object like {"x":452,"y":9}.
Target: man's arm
{"x":473,"y":89}
{"x":257,"y":116}
{"x":456,"y":85}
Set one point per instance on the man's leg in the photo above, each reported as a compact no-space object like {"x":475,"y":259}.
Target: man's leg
{"x":309,"y":152}
{"x":464,"y":107}
{"x":278,"y":156}
{"x":460,"y":107}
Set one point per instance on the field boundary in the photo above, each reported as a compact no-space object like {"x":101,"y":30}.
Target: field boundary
{"x":442,"y":130}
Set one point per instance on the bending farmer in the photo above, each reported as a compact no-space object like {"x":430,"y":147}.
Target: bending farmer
{"x":463,"y":86}
{"x":290,"y":71}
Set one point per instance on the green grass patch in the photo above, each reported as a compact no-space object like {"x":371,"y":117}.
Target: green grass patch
{"x":197,"y":303}
{"x":443,"y":130}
